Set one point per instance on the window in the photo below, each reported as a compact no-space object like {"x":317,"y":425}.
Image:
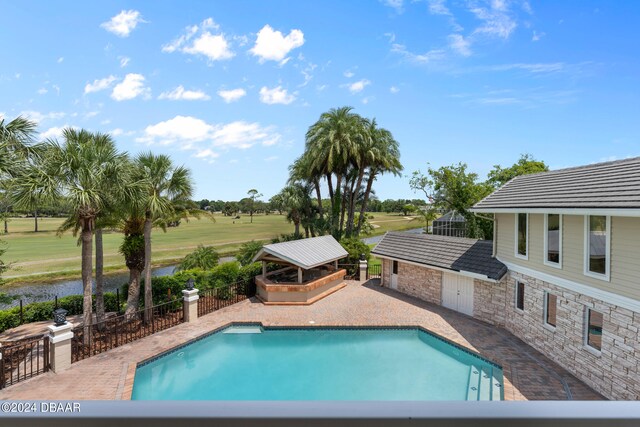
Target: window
{"x":553,"y":240}
{"x":597,"y":246}
{"x":520,"y":296}
{"x":395,"y":267}
{"x":550,"y":307}
{"x":594,"y":329}
{"x":522,"y":235}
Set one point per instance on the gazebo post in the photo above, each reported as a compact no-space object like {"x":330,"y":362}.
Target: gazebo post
{"x":299,"y":275}
{"x":264,"y":268}
{"x":335,"y":264}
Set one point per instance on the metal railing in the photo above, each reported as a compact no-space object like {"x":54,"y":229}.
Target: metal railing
{"x":216,"y":298}
{"x":119,"y":330}
{"x":374,"y":271}
{"x":24,"y":359}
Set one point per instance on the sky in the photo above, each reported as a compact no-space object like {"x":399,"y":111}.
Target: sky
{"x":229,"y":88}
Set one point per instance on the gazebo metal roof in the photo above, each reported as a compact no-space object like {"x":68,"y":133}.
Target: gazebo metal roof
{"x":304,"y":253}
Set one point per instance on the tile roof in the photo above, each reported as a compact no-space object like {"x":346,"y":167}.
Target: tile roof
{"x":305,"y":253}
{"x":609,"y":185}
{"x":452,"y":253}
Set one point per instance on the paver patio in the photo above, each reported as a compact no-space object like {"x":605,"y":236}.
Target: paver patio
{"x":528,"y":375}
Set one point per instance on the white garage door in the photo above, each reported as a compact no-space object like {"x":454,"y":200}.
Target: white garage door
{"x":457,"y":293}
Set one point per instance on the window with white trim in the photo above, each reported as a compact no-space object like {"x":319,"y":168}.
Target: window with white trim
{"x":553,"y":240}
{"x":550,"y":309}
{"x":593,"y":329}
{"x":522,"y":235}
{"x":520,"y":295}
{"x":597,"y":240}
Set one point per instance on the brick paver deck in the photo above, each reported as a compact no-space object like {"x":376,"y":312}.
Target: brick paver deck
{"x":528,"y":375}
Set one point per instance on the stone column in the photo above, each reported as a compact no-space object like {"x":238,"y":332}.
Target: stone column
{"x":363,"y":270}
{"x":190,"y":305}
{"x":60,"y":346}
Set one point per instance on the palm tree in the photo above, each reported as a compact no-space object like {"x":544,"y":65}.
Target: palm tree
{"x":87,"y":169}
{"x":168,"y":189}
{"x":297,"y":201}
{"x":383,"y":155}
{"x":16,"y":145}
{"x":330,"y":144}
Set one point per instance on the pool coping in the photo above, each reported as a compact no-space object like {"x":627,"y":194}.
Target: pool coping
{"x":132,"y":368}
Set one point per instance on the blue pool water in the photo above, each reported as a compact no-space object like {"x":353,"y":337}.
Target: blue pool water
{"x":252,"y":363}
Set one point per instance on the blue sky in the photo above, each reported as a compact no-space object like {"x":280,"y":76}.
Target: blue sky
{"x":229,"y":88}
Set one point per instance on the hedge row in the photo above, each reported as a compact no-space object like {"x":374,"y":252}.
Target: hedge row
{"x":163,"y":288}
{"x":39,"y":311}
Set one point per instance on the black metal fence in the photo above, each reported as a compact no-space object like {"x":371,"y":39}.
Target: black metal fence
{"x":216,"y":298}
{"x":374,"y":271}
{"x":23,"y":359}
{"x":119,"y":330}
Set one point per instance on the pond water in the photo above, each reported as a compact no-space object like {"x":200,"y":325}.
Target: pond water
{"x":47,"y":291}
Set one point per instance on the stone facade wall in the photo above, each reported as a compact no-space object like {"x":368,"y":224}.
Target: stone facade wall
{"x":614,"y":371}
{"x":420,"y":282}
{"x":489,"y":301}
{"x":386,"y":272}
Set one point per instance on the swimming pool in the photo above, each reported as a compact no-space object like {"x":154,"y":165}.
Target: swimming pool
{"x":250,"y":362}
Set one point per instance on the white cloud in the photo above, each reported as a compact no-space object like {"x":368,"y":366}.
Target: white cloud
{"x":348,"y":74}
{"x":496,"y":20}
{"x":367,"y":99}
{"x":396,"y":4}
{"x":116,"y":132}
{"x":56,"y":88}
{"x":131,"y":87}
{"x":206,"y":154}
{"x":42,"y":91}
{"x":459,"y":44}
{"x":394,"y":89}
{"x":537,"y":36}
{"x":198,"y":40}
{"x":536,"y":68}
{"x":358,"y":86}
{"x":99,"y":84}
{"x":54,"y":132}
{"x":271,"y":158}
{"x":424,"y":58}
{"x":232,"y":95}
{"x":91,"y":114}
{"x":38,"y":117}
{"x":190,"y":133}
{"x":105,"y":122}
{"x":123,"y":23}
{"x":277,"y":95}
{"x":124,"y":61}
{"x":60,"y":59}
{"x":180,"y":93}
{"x":272,"y":45}
{"x":437,"y":7}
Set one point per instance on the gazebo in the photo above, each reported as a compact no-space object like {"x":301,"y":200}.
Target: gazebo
{"x":451,"y":224}
{"x":310,"y":271}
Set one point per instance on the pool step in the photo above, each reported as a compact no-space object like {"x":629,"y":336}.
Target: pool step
{"x":474,"y":382}
{"x":483,"y":385}
{"x":243,"y":330}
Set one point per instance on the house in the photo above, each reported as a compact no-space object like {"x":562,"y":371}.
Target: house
{"x":569,"y":241}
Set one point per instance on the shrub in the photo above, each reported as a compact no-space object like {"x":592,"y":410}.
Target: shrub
{"x":247,"y":251}
{"x":355,"y":247}
{"x":225,"y":273}
{"x":204,"y":258}
{"x":9,"y":318}
{"x":248,"y":272}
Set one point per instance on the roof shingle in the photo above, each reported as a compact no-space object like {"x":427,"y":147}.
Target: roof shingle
{"x":607,"y":185}
{"x":452,"y":253}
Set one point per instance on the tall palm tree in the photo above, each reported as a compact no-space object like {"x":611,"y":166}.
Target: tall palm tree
{"x":168,"y":189}
{"x":383,"y":156}
{"x":16,"y":145}
{"x":86,"y":169}
{"x":330,"y":143}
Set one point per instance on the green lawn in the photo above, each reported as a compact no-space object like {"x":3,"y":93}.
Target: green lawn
{"x":46,"y":253}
